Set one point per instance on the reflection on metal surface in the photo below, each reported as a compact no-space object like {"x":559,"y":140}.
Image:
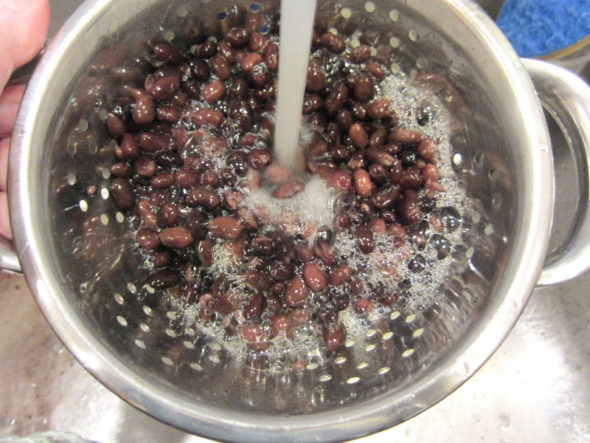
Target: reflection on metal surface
{"x":534,"y":389}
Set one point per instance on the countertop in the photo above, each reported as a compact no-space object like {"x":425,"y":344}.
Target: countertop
{"x":535,"y":388}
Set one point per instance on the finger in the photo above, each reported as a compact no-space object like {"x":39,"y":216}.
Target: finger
{"x":23,"y":30}
{"x":4,"y":148}
{"x":9,"y":103}
{"x":5,"y":230}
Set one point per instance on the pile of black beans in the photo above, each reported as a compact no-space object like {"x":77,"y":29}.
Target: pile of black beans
{"x":197,"y":136}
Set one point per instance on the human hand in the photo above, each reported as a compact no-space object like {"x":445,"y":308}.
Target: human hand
{"x":23,"y":31}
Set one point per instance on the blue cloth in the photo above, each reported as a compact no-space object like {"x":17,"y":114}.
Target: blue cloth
{"x":538,"y":27}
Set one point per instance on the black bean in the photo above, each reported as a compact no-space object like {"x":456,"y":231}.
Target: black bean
{"x":207,"y":49}
{"x":408,"y":157}
{"x":336,"y":99}
{"x":148,"y":238}
{"x":360,"y":54}
{"x":363,"y":88}
{"x":163,"y":278}
{"x":385,"y":197}
{"x":200,"y":70}
{"x":122,"y":193}
{"x":202,"y":196}
{"x":333,"y":42}
{"x":417,"y":264}
{"x":312,"y":102}
{"x":144,"y":111}
{"x":364,"y":239}
{"x":254,"y":307}
{"x":167,"y":214}
{"x":238,"y":37}
{"x":315,"y":76}
{"x":167,"y":54}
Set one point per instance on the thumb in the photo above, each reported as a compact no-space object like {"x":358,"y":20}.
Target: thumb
{"x":23,"y":30}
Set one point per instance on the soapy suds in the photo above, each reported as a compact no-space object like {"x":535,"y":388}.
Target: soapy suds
{"x":385,"y":267}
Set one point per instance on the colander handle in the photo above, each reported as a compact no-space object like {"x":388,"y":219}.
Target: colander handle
{"x":566,"y":98}
{"x":8,"y":258}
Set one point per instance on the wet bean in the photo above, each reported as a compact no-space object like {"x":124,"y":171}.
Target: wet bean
{"x":250,"y":61}
{"x":376,"y":69}
{"x":227,"y":228}
{"x":280,"y":325}
{"x":205,"y":252}
{"x":176,"y":237}
{"x":259,"y":158}
{"x":296,"y":293}
{"x":380,"y":109}
{"x":314,"y":276}
{"x":220,"y":67}
{"x":340,"y":275}
{"x":362,"y":183}
{"x":164,"y":88}
{"x":410,"y":208}
{"x":238,"y":37}
{"x":385,"y":197}
{"x":270,"y":55}
{"x":255,"y":336}
{"x":336,"y":99}
{"x":358,"y":135}
{"x":257,"y":42}
{"x":376,"y":155}
{"x":200,"y":70}
{"x":147,"y":238}
{"x":144,"y":111}
{"x":122,"y":169}
{"x":411,"y":179}
{"x":163,"y":278}
{"x":358,"y":111}
{"x":167,"y":214}
{"x":254,"y":307}
{"x":312,"y":102}
{"x":167,"y":54}
{"x":115,"y":125}
{"x":208,"y":116}
{"x":334,"y":335}
{"x":427,"y":149}
{"x":378,"y":138}
{"x":202,"y":196}
{"x":186,"y":178}
{"x":324,"y":251}
{"x":162,"y":180}
{"x":289,"y":189}
{"x":333,"y":42}
{"x":363,"y":88}
{"x":378,"y":173}
{"x":360,"y":54}
{"x":207,"y":49}
{"x":281,"y":271}
{"x":364,"y":239}
{"x":430,"y":173}
{"x":315,"y":76}
{"x":122,"y":193}
{"x":213,"y":91}
{"x":168,"y":114}
{"x":145,"y":166}
{"x":344,"y":119}
{"x":152,"y":142}
{"x":405,"y":136}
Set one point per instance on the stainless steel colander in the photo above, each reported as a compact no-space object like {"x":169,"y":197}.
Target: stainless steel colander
{"x":85,"y":270}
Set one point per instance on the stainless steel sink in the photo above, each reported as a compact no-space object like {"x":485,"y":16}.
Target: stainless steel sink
{"x":536,"y":387}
